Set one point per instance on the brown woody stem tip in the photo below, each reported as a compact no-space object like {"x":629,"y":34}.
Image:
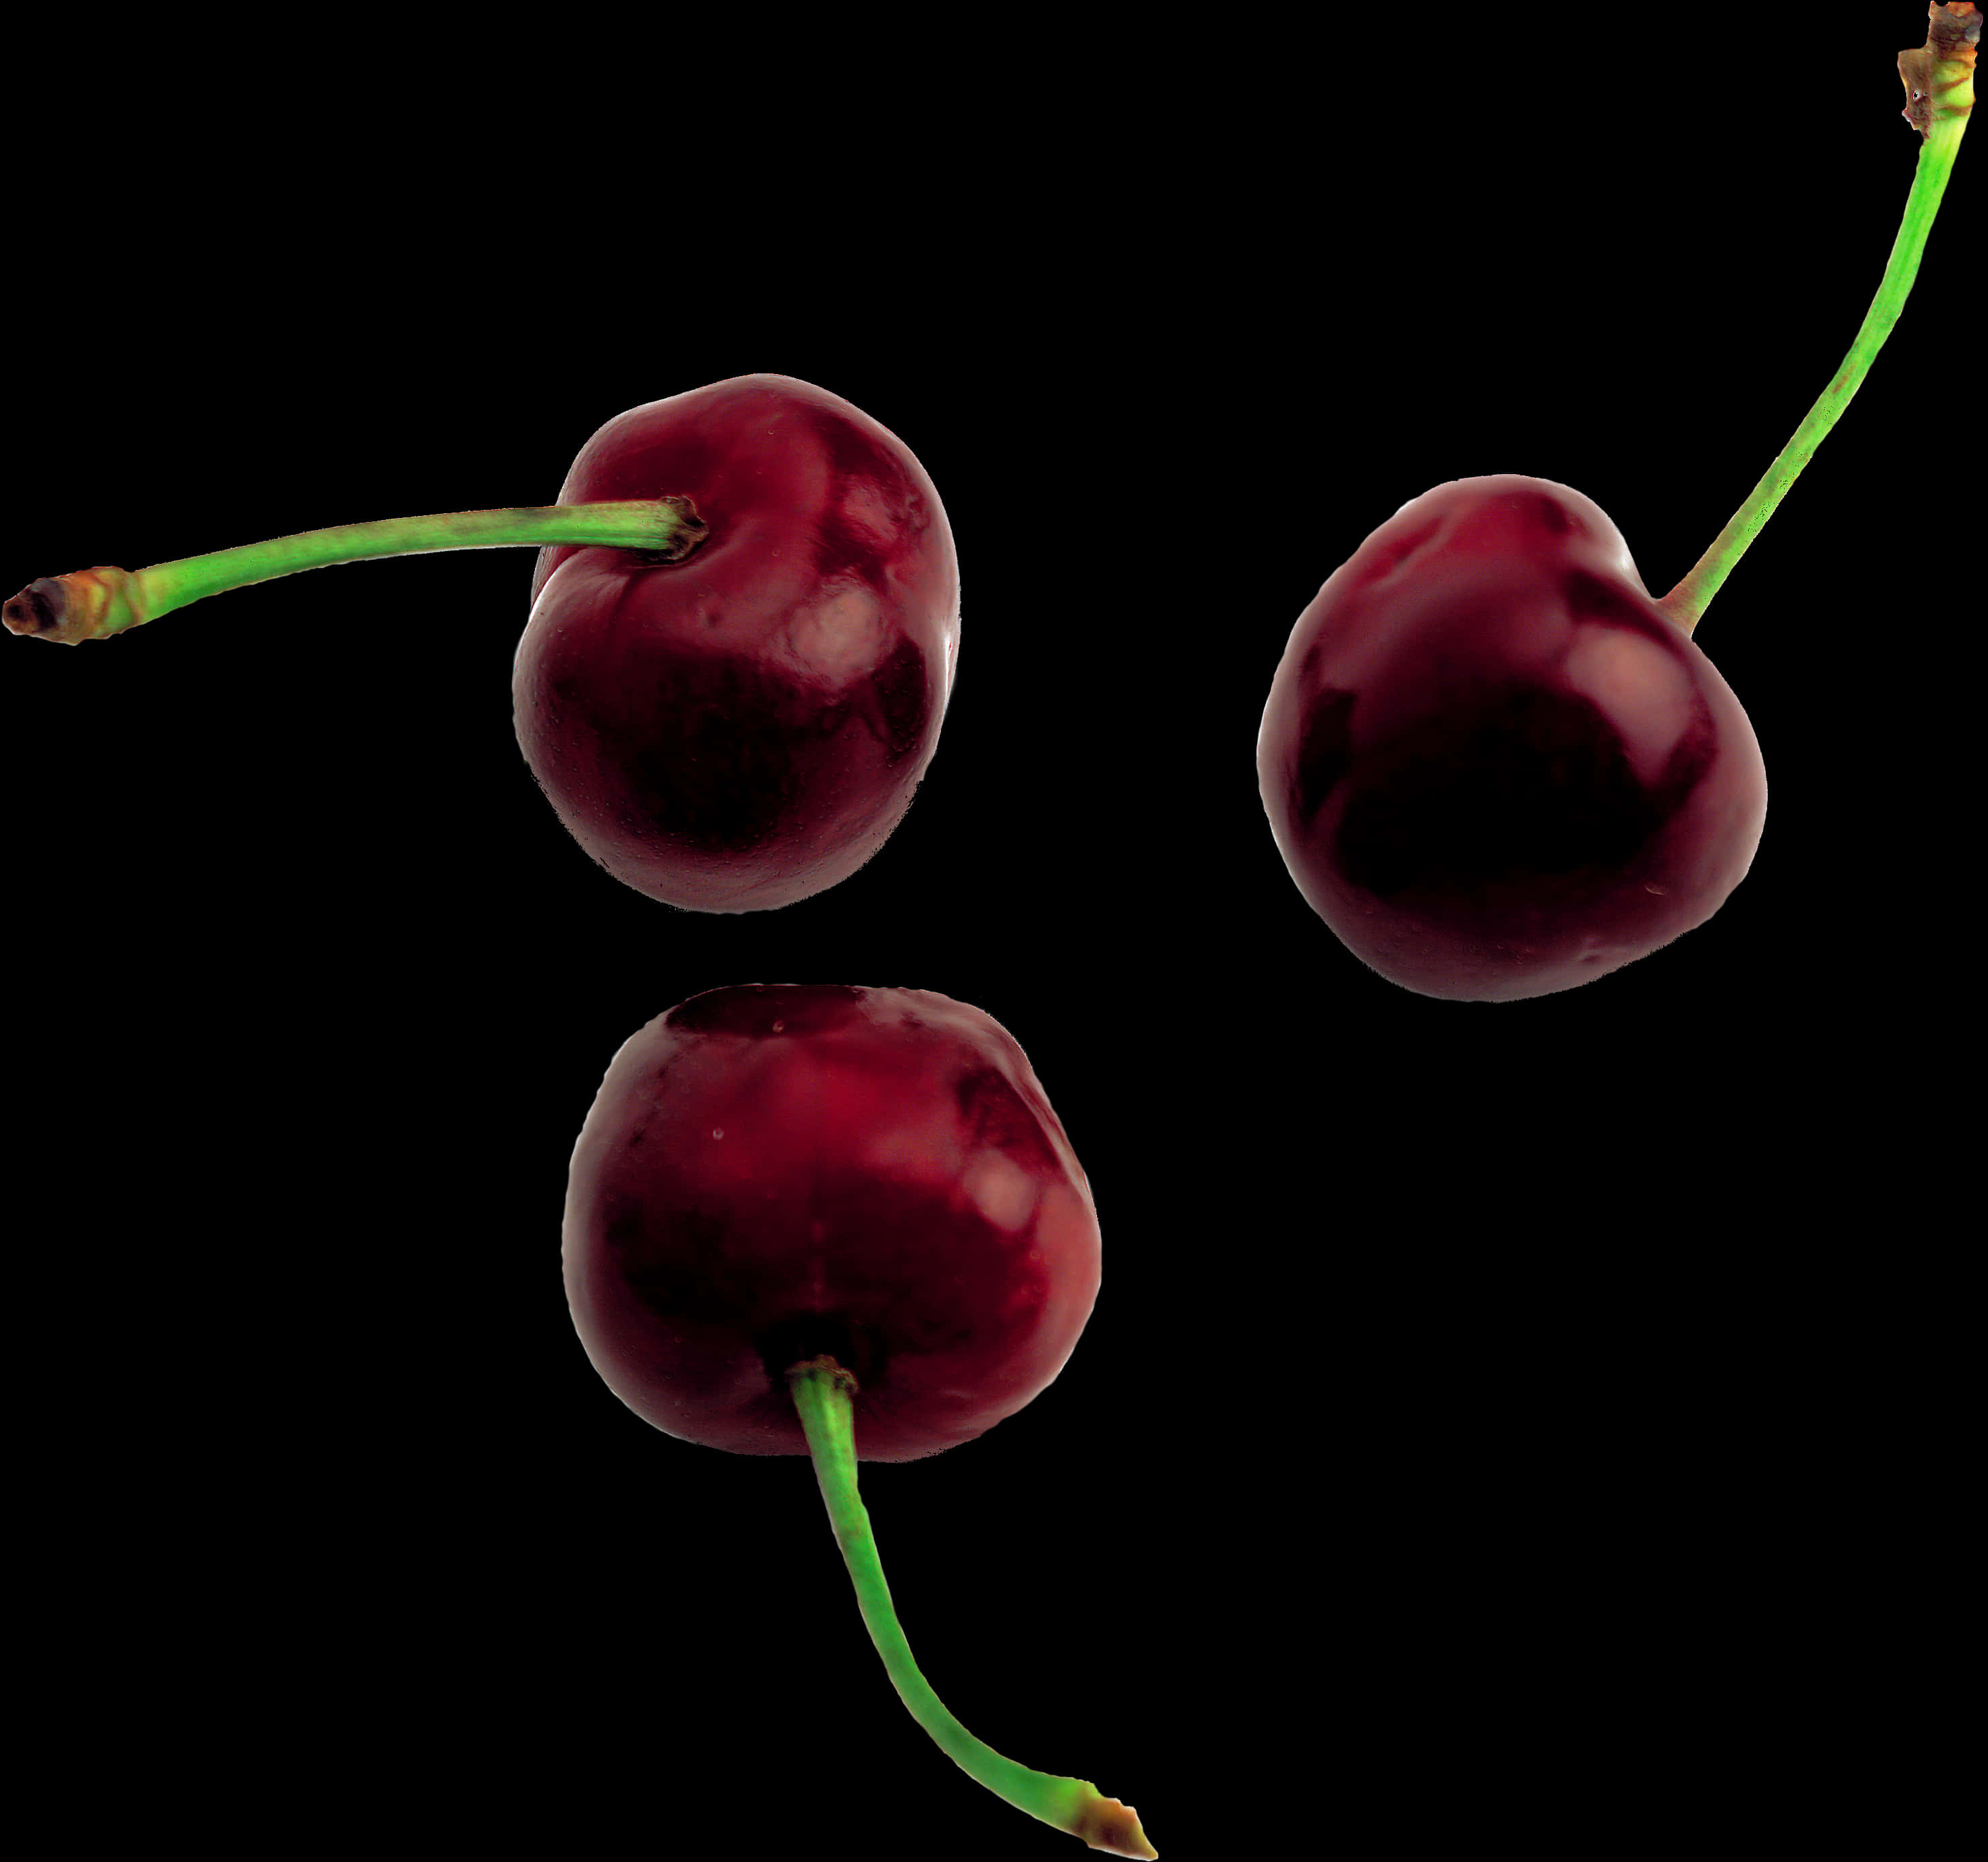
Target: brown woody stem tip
{"x":85,"y":604}
{"x":38,"y":609}
{"x":1939,"y":75}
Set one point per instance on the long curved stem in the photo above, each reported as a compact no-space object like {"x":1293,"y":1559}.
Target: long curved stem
{"x":94,"y":604}
{"x":1688,"y":601}
{"x":823,"y":1393}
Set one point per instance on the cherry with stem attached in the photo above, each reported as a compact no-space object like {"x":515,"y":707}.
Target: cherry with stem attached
{"x":843,"y":1222}
{"x":745,"y":620}
{"x":1493,"y":763}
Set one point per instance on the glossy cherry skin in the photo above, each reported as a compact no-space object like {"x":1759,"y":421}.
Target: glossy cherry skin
{"x":773,"y":1173}
{"x":1494,"y":767}
{"x":745,"y":727}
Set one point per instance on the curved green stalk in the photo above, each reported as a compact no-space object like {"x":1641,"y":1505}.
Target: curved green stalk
{"x":822,"y":1391}
{"x":1940,"y":107}
{"x":94,"y":604}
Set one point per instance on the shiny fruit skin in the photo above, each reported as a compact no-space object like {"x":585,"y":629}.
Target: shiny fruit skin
{"x":770,"y":1173}
{"x":1494,"y":767}
{"x":744,"y":727}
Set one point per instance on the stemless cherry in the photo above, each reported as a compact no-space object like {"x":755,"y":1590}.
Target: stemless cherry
{"x":746,"y":620}
{"x":846,"y":1222}
{"x":744,"y":727}
{"x":1494,"y":765}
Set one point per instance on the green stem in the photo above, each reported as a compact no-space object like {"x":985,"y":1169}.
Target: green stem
{"x":94,"y":604}
{"x":823,"y":1393}
{"x":1688,"y":601}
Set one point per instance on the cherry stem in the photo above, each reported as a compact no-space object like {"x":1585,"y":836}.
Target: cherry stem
{"x":94,"y":604}
{"x":1939,"y":94}
{"x":823,"y":1394}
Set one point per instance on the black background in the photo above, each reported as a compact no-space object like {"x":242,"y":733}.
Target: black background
{"x":1495,"y":1417}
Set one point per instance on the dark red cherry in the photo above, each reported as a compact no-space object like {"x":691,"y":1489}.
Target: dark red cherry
{"x":1493,"y":766}
{"x":771,"y":1174}
{"x":744,"y":727}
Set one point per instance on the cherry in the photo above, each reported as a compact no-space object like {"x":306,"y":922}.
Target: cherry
{"x":745,"y":621}
{"x":1494,"y":767}
{"x":770,"y":1173}
{"x":843,"y":1222}
{"x":744,"y":727}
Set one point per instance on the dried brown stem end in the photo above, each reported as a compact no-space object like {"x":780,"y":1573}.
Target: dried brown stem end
{"x":1107,"y":1824}
{"x":69,"y":608}
{"x":691,"y":531}
{"x":1939,"y":75}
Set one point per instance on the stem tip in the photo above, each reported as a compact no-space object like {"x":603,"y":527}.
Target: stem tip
{"x":1107,"y":1824}
{"x":85,"y":604}
{"x":38,"y":609}
{"x":1939,"y":74}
